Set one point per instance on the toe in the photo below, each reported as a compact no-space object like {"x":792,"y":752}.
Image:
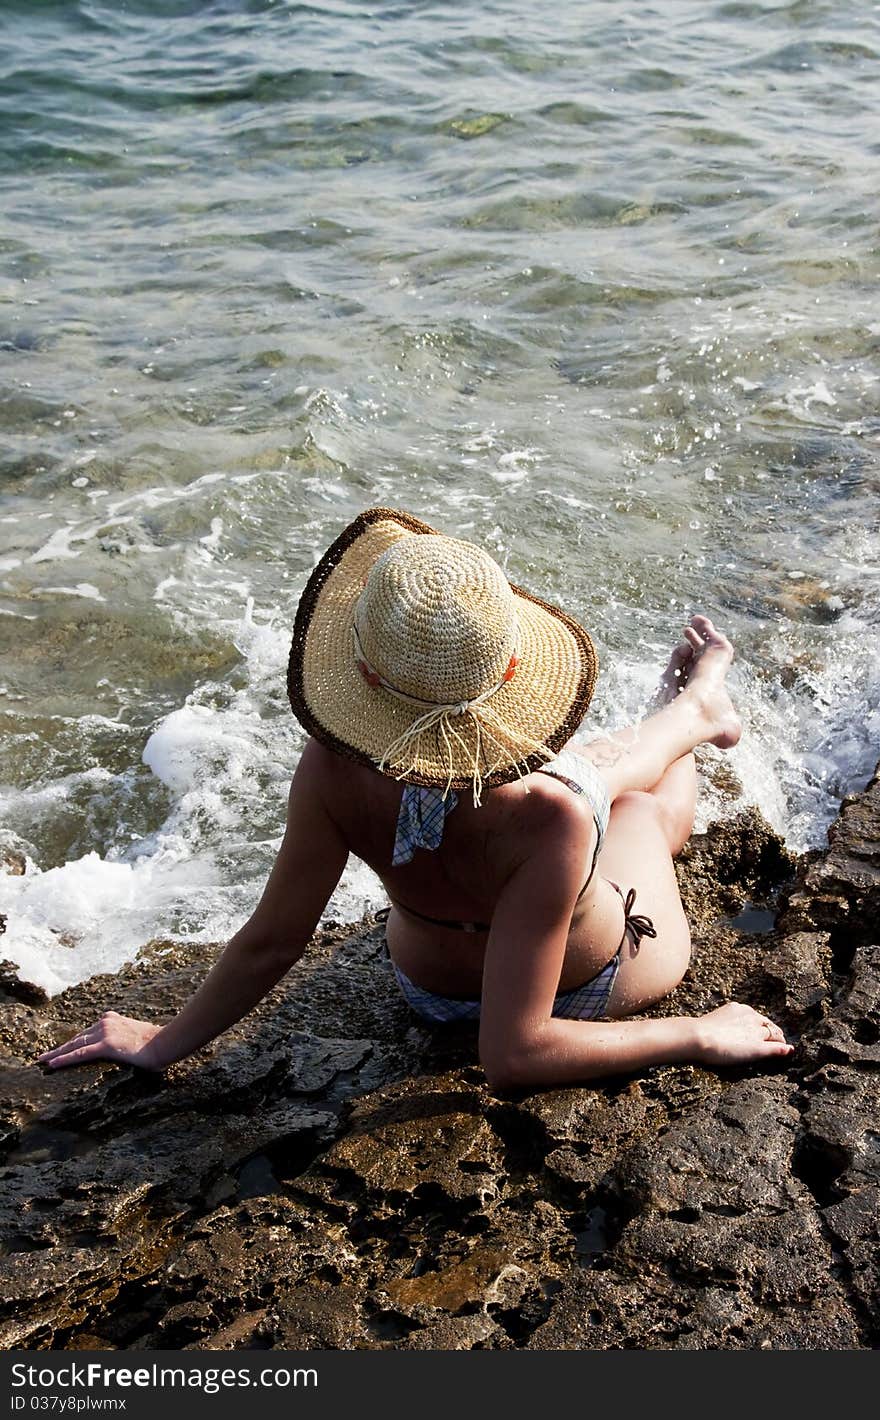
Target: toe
{"x":703,"y":626}
{"x":710,"y":634}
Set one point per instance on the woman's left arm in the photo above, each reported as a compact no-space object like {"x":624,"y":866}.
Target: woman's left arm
{"x":309,"y":864}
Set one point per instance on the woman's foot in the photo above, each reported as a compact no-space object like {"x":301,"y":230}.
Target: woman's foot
{"x":675,"y":677}
{"x":711,"y":655}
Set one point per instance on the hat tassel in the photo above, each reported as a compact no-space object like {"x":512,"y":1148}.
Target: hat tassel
{"x":404,"y":750}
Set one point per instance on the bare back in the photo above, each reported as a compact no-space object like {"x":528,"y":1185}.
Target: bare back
{"x":465,"y":877}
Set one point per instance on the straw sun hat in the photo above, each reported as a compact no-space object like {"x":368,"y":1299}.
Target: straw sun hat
{"x":413,"y":653}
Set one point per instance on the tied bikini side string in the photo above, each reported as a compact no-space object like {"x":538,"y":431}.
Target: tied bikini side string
{"x":635,"y":922}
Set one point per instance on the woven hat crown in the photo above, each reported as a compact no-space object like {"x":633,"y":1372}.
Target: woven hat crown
{"x":437,"y":619}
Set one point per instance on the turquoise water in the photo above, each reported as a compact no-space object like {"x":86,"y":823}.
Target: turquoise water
{"x":595,"y":287}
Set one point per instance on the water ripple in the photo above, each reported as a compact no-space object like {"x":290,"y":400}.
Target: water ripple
{"x":594,"y":285}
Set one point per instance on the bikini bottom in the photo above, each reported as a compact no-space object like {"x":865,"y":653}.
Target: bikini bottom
{"x":585,"y":1003}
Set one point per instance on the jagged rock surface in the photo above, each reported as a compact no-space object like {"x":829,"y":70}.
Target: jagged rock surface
{"x":332,"y":1174}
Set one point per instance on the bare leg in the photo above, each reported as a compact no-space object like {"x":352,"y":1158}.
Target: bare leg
{"x":637,"y":758}
{"x":676,"y":796}
{"x":647,"y":829}
{"x":636,"y":854}
{"x":676,"y":790}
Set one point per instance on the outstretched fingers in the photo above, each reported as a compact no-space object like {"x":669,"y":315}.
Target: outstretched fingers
{"x":70,"y":1054}
{"x":88,"y":1044}
{"x":113,"y":1037}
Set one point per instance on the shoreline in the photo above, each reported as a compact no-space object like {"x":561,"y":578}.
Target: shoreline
{"x":331,"y":1173}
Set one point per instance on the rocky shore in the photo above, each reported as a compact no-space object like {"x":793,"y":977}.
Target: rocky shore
{"x":332,"y":1174}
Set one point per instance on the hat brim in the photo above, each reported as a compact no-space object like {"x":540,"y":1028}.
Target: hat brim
{"x":544,"y":702}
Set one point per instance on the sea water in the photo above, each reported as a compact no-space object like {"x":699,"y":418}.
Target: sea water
{"x":593,"y":285}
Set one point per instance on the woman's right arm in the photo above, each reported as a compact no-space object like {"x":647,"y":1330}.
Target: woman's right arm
{"x":308,"y":867}
{"x":522,"y":1045}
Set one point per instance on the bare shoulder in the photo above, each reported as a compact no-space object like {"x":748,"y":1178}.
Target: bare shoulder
{"x":310,"y":799}
{"x":317,"y":776}
{"x":342,"y":790}
{"x":550,"y":805}
{"x":317,"y":763}
{"x":550,"y":825}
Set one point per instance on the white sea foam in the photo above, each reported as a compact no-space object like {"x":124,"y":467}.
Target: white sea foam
{"x":57,"y":547}
{"x":514,"y":466}
{"x":154,"y":498}
{"x":91,"y":915}
{"x":82,"y":589}
{"x":212,"y":755}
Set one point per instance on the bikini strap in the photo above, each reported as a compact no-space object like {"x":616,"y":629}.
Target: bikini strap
{"x":442,"y":921}
{"x":634,"y":922}
{"x":582,"y":777}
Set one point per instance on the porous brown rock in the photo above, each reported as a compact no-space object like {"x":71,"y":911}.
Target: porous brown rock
{"x":839,"y":892}
{"x":334,"y":1174}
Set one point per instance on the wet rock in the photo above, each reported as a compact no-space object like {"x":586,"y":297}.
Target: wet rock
{"x":238,"y":1335}
{"x":269,"y":1261}
{"x":476,"y":126}
{"x":13,"y":988}
{"x":807,"y":596}
{"x":601,"y":1311}
{"x":736,"y":862}
{"x":702,"y":1164}
{"x":719,"y":1243}
{"x":485,"y":1278}
{"x":852,"y":1226}
{"x":461,"y":1333}
{"x":850,"y":1033}
{"x":839,"y":1145}
{"x":319,"y":1315}
{"x":332,"y":1173}
{"x":840,"y":891}
{"x":797,"y":973}
{"x":583,"y":1132}
{"x":13,"y":861}
{"x":413,"y":1138}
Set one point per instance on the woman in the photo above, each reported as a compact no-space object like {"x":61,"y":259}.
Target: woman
{"x":513,"y":860}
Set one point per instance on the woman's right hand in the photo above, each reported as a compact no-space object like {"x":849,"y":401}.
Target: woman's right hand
{"x":113,"y":1037}
{"x":735,"y":1033}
